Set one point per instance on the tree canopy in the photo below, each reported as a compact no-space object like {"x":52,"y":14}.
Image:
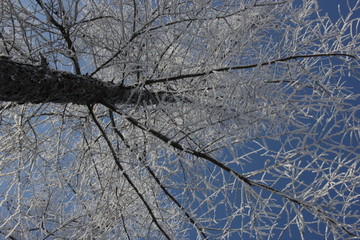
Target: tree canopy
{"x":178,"y":119}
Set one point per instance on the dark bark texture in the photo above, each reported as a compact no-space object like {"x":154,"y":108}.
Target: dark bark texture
{"x":27,"y":83}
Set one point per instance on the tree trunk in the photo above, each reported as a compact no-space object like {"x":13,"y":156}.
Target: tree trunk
{"x":26,"y":83}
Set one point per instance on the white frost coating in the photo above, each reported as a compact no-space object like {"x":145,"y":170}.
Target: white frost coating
{"x":239,"y":121}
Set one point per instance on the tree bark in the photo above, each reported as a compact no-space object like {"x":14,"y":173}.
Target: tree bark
{"x":27,"y":83}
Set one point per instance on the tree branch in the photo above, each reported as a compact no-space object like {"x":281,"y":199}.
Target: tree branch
{"x":158,"y":181}
{"x":127,"y":177}
{"x":240,"y":67}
